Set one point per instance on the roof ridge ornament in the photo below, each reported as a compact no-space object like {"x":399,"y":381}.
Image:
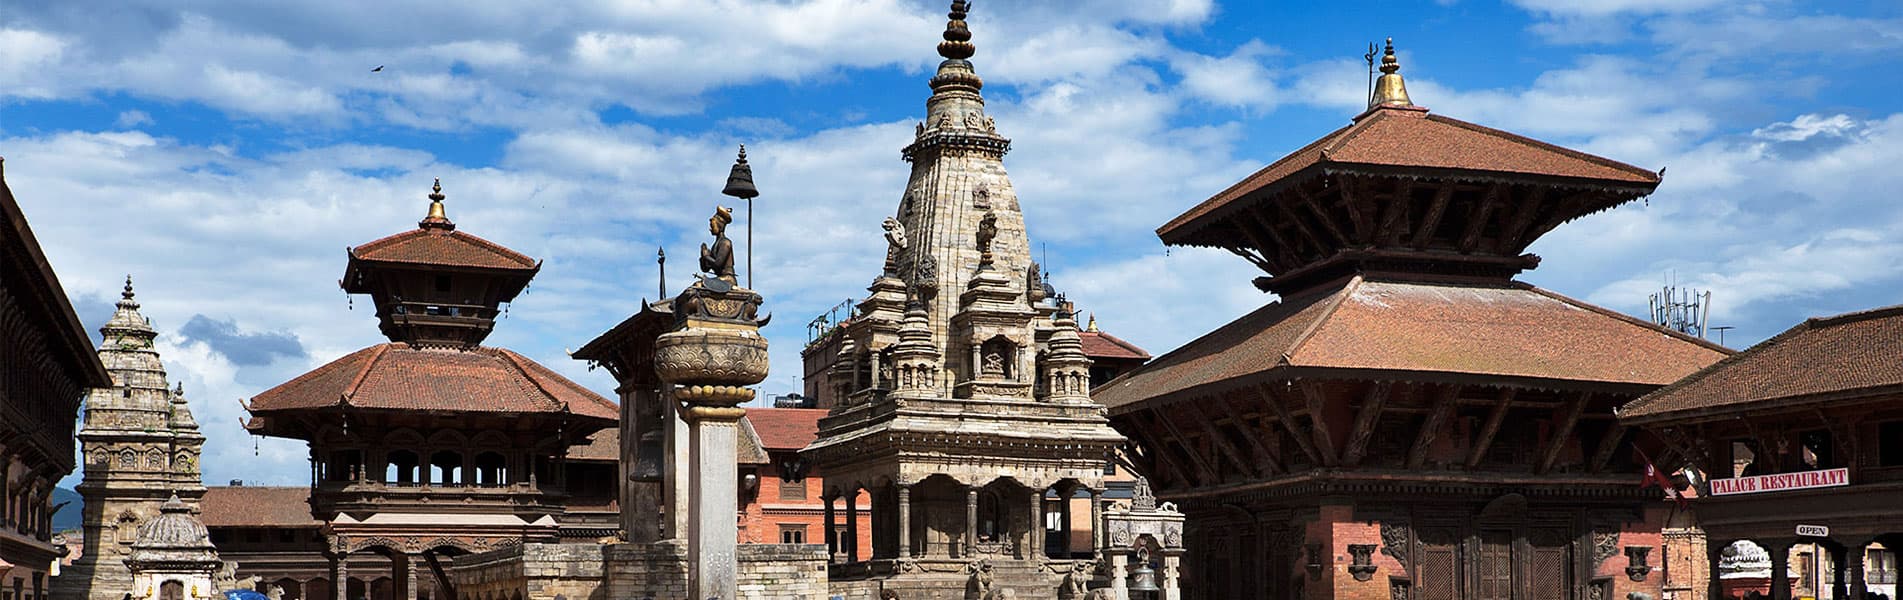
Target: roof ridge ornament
{"x":438,"y":218}
{"x":1390,"y":90}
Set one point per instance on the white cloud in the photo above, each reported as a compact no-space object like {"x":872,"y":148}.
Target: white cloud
{"x":1603,"y":8}
{"x":1239,"y":79}
{"x":133,"y":118}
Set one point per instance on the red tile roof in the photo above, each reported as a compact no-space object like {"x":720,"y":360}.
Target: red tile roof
{"x":786,"y":428}
{"x":400,"y":377}
{"x":248,"y":506}
{"x":1375,"y":327}
{"x":1409,"y":137}
{"x":1100,"y":345}
{"x":435,"y":246}
{"x":605,"y":445}
{"x":1818,"y":361}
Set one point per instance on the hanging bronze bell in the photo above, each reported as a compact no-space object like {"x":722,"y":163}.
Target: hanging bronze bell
{"x":740,"y":179}
{"x":1143,"y":578}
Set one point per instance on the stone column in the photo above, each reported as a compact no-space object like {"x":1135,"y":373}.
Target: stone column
{"x":971,"y":520}
{"x":876,"y":383}
{"x":852,"y":524}
{"x":1119,"y":574}
{"x":1096,"y":521}
{"x":1035,"y":536}
{"x":674,"y":475}
{"x":1780,"y":570}
{"x":340,"y":576}
{"x":407,"y":562}
{"x":1853,"y":558}
{"x":1171,"y":560}
{"x":832,"y":533}
{"x":905,"y":521}
{"x":711,"y":531}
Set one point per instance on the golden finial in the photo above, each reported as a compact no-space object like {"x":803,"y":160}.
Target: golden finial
{"x":1390,"y":90}
{"x":1092,"y":327}
{"x":437,"y":218}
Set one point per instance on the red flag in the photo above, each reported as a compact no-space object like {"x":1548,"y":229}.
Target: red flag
{"x":1654,"y":477}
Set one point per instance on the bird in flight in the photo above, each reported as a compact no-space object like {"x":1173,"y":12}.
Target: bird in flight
{"x":379,"y":69}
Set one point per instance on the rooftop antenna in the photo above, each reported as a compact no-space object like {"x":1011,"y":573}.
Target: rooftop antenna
{"x":1369,"y":57}
{"x":1684,"y":310}
{"x":1721,"y":329}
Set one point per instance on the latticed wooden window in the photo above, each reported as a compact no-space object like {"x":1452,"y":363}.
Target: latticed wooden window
{"x":1550,"y":569}
{"x":1495,"y":565}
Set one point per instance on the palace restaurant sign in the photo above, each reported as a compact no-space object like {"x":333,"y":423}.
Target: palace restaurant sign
{"x":1780,"y":482}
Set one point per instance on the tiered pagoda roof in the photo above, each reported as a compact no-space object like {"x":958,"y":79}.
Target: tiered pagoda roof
{"x":400,"y":377}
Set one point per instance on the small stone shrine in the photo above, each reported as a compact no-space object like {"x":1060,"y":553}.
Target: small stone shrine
{"x":173,"y":558}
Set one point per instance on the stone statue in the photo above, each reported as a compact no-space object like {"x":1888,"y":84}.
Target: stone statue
{"x":919,"y":131}
{"x":895,"y":243}
{"x":718,"y":259}
{"x":990,"y":125}
{"x":994,"y":364}
{"x":981,"y":197}
{"x":274,"y":592}
{"x":981,"y":579}
{"x":1142,"y":498}
{"x":1077,"y":583}
{"x":1034,"y":284}
{"x":974,"y":120}
{"x":987,"y":231}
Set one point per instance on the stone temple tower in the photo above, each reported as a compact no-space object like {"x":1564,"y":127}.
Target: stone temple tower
{"x":960,"y":390}
{"x":140,"y":445}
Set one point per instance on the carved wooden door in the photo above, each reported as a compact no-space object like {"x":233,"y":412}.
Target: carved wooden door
{"x":1437,"y":577}
{"x":1550,"y":568}
{"x":1494,"y":565}
{"x":172,"y":590}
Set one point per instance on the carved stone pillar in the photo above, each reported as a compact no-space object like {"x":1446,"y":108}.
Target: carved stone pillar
{"x":852,"y":524}
{"x":1034,"y":535}
{"x":339,"y":576}
{"x":711,"y":531}
{"x":407,"y":563}
{"x":1169,"y":577}
{"x":1119,"y":573}
{"x":905,"y":521}
{"x":971,"y":520}
{"x":1096,"y":521}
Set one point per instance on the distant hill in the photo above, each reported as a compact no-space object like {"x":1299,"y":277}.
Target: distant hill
{"x":69,"y":516}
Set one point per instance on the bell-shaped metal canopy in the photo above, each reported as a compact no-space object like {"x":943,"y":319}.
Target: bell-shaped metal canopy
{"x":740,"y":180}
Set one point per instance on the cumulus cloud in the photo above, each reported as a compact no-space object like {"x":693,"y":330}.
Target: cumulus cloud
{"x":244,"y":348}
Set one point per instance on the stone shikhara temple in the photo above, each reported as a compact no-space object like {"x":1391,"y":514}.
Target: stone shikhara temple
{"x":960,"y":392}
{"x":1407,"y":421}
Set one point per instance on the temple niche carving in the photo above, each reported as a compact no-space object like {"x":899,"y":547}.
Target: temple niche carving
{"x":960,"y":333}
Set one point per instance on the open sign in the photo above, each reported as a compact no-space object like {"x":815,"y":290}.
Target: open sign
{"x":1813,"y":530}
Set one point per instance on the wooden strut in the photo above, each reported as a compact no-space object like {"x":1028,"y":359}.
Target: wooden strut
{"x":1434,"y":212}
{"x":1295,"y":429}
{"x":1394,"y":222}
{"x":1321,"y":215}
{"x":1365,"y":420}
{"x":1160,"y":455}
{"x":1229,"y":450}
{"x":1443,"y":407}
{"x":1492,"y":428}
{"x":1522,"y":218}
{"x":1205,"y":472}
{"x":1357,"y":210}
{"x":1478,"y":222}
{"x":1289,"y":253}
{"x":1277,"y":260}
{"x":1568,"y":420}
{"x":1316,"y":402}
{"x":1301,"y":227}
{"x":1608,"y":444}
{"x":1270,"y":456}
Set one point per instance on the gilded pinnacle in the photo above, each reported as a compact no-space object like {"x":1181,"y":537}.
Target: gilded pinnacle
{"x":438,"y":217}
{"x":1390,"y":90}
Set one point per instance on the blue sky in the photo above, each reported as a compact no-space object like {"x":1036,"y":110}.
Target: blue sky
{"x":226,"y":154}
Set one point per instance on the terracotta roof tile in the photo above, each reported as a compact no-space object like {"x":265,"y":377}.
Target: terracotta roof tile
{"x":1516,"y":331}
{"x":248,"y":506}
{"x":1816,"y":361}
{"x":441,"y":247}
{"x":605,"y":445}
{"x":1098,"y":344}
{"x":399,"y":377}
{"x":786,"y":428}
{"x":1411,"y":138}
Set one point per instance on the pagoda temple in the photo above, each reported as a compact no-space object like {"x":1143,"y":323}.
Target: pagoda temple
{"x":141,"y":446}
{"x":961,"y":387}
{"x":432,"y":446}
{"x":1407,"y":420}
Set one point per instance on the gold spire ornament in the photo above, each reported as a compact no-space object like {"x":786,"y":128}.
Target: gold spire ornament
{"x":438,"y":218}
{"x":1390,"y":90}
